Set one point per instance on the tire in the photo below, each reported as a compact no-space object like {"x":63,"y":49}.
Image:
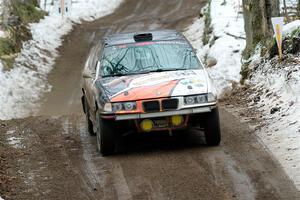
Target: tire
{"x":212,"y":130}
{"x":106,"y":143}
{"x":89,"y":123}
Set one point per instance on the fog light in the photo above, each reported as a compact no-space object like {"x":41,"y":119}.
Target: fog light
{"x":176,"y":120}
{"x":147,"y":125}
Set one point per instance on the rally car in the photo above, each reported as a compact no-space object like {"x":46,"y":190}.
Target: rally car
{"x":144,"y":82}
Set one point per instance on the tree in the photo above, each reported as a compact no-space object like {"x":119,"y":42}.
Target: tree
{"x":298,"y":8}
{"x":257,"y":17}
{"x":285,"y":10}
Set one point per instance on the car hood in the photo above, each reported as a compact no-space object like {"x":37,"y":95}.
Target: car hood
{"x":155,"y":85}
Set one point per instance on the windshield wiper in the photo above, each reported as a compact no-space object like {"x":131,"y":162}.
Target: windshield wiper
{"x":120,"y":74}
{"x":112,"y":75}
{"x":164,"y":70}
{"x":144,"y":72}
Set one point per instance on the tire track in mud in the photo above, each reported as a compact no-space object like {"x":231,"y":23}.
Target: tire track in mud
{"x":60,"y":161}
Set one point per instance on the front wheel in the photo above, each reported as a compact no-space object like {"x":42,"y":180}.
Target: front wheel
{"x":212,"y":128}
{"x":105,"y":136}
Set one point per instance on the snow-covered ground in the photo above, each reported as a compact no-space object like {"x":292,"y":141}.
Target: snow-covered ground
{"x":23,"y":86}
{"x":2,"y":34}
{"x":228,"y":31}
{"x":277,"y":84}
{"x":278,"y":92}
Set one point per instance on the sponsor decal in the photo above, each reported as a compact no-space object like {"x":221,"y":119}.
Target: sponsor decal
{"x":123,"y":46}
{"x":196,"y":82}
{"x":143,"y":44}
{"x":156,"y":78}
{"x":146,"y":92}
{"x":156,"y":85}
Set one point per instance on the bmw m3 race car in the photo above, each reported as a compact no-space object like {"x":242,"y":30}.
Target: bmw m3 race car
{"x":147,"y":82}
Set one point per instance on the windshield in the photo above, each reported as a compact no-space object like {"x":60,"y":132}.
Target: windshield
{"x":147,"y":57}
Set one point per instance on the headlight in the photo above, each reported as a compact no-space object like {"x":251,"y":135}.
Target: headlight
{"x":130,"y":106}
{"x":117,"y":107}
{"x":202,"y":99}
{"x":189,"y":100}
{"x":126,"y":106}
{"x":196,"y":99}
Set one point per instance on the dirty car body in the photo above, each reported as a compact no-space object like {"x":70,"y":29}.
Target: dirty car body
{"x":147,"y":82}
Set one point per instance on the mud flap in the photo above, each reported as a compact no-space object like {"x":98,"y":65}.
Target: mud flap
{"x":82,"y":103}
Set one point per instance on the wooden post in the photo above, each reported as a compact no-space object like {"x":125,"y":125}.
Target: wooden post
{"x":278,"y":23}
{"x":279,"y":39}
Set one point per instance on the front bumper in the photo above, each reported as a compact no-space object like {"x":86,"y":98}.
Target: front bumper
{"x":187,"y":111}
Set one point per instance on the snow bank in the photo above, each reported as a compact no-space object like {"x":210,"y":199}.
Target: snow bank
{"x":290,"y":27}
{"x":227,"y":42}
{"x":81,"y":9}
{"x":2,"y":33}
{"x":278,"y":94}
{"x":23,"y":86}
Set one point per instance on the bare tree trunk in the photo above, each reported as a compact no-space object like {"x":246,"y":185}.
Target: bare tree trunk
{"x":257,"y":17}
{"x":5,"y":13}
{"x":273,"y":10}
{"x":285,"y":11}
{"x":298,"y":8}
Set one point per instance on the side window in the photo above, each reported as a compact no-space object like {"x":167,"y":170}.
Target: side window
{"x":97,"y":69}
{"x":91,"y":59}
{"x":96,"y":56}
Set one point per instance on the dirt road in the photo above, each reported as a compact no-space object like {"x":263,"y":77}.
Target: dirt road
{"x":54,"y":158}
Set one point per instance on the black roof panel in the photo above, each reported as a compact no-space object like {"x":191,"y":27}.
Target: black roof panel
{"x":126,"y":38}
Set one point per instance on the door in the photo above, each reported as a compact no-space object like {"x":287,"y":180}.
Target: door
{"x":90,"y":75}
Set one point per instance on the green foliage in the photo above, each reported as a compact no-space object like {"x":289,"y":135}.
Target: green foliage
{"x":26,"y":11}
{"x":245,"y":72}
{"x":8,"y":61}
{"x":6,"y":47}
{"x":291,"y":44}
{"x":23,"y":13}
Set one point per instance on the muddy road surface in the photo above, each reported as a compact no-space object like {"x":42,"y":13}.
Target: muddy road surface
{"x":55,"y":158}
{"x":51,"y":156}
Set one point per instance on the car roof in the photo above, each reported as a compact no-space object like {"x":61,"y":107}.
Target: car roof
{"x":127,"y":38}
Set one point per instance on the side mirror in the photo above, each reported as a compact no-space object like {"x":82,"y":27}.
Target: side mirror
{"x":86,"y":75}
{"x":98,"y":68}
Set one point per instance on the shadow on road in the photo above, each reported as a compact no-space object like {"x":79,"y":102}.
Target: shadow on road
{"x":136,"y":143}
